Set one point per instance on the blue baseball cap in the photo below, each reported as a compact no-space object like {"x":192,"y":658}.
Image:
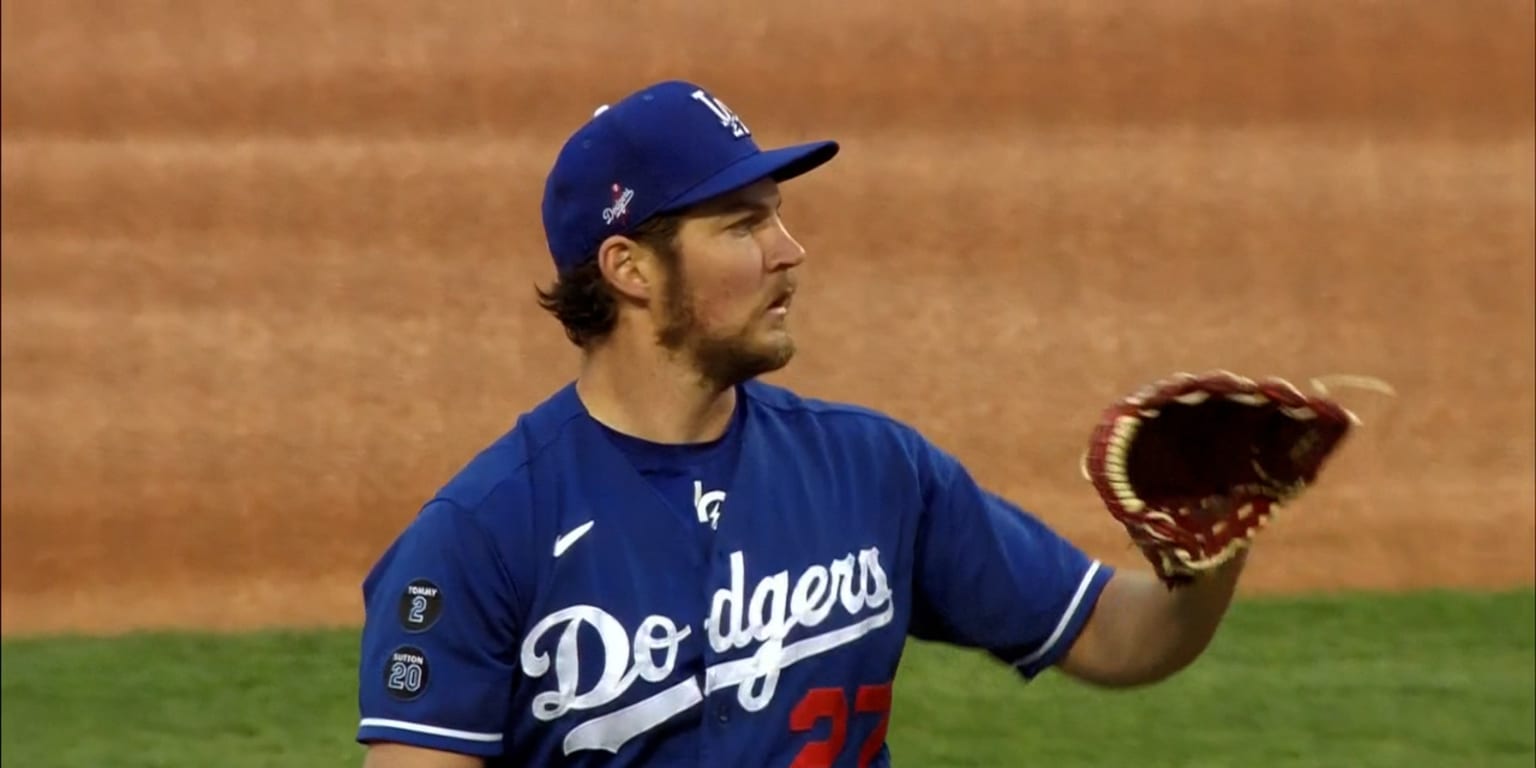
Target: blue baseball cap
{"x":660,"y":150}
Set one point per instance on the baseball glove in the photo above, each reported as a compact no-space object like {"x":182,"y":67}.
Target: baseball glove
{"x":1194,"y":465}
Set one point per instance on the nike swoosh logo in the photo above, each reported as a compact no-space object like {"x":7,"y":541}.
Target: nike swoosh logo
{"x":564,"y":542}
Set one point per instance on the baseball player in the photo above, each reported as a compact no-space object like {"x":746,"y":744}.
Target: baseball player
{"x":670,"y":563}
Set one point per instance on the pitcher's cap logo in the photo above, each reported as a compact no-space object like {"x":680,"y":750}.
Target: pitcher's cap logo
{"x":619,"y":211}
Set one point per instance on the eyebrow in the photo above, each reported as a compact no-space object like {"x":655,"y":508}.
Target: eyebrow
{"x":757,"y":206}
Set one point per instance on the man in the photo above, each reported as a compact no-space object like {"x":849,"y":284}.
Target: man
{"x":668,"y":562}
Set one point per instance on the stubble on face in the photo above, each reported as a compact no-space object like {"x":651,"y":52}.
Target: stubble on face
{"x":722,"y":361}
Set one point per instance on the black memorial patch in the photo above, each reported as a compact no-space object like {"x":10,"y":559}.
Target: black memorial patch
{"x":420,"y":605}
{"x":406,"y":674}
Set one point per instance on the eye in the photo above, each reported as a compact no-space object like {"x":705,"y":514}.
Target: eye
{"x":745,"y":226}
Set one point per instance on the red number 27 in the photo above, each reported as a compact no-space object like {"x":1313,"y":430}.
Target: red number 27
{"x":832,"y":704}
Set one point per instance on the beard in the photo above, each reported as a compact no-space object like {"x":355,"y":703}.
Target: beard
{"x":723,"y":361}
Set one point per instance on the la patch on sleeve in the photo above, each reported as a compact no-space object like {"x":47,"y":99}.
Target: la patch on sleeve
{"x":420,"y":605}
{"x":407,"y":673}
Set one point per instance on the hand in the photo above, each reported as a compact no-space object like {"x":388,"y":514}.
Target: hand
{"x":1193,"y":466}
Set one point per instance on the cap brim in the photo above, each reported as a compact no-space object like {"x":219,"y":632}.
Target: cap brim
{"x":778,"y":164}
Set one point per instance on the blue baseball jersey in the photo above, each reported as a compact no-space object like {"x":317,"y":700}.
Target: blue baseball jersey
{"x":574,"y":597}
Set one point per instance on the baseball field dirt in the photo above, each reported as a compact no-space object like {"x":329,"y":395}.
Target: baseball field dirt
{"x":268,"y":268}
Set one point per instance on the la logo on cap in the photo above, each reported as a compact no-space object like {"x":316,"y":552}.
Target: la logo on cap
{"x":728,"y":119}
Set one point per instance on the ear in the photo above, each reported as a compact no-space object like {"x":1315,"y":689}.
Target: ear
{"x":627,"y":266}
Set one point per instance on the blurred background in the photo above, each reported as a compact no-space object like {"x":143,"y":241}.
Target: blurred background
{"x":267,"y":278}
{"x":268,"y":267}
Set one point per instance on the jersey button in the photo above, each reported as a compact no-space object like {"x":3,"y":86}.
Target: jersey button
{"x":723,"y":712}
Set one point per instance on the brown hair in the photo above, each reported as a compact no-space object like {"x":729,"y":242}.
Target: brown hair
{"x":582,"y":300}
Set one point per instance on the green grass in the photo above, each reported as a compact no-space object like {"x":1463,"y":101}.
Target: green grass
{"x":1423,"y":680}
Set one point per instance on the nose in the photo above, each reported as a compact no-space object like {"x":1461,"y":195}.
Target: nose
{"x":783,"y":250}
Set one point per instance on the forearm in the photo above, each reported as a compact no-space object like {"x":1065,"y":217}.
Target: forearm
{"x":387,"y":755}
{"x":1141,"y":632}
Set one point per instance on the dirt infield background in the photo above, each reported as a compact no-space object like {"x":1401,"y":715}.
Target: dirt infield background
{"x":268,"y":267}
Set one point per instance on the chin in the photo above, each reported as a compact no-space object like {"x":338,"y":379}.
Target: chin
{"x":765,"y":360}
{"x":780,"y":358}
{"x":778,"y":349}
{"x":734,"y":364}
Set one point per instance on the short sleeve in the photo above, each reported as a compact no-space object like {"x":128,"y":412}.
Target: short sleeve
{"x":438,"y":654}
{"x":992,"y":576}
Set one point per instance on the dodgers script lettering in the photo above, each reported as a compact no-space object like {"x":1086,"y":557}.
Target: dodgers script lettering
{"x":763,"y":618}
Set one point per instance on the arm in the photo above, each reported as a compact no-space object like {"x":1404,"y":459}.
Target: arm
{"x":1140,"y":632}
{"x":439,"y":639}
{"x":389,"y":755}
{"x":990,"y":575}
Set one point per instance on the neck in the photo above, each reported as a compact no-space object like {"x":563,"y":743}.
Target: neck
{"x":652,"y":393}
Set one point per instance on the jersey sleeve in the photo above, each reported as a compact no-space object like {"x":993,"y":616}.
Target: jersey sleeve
{"x":439,"y":647}
{"x":991,"y":575}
